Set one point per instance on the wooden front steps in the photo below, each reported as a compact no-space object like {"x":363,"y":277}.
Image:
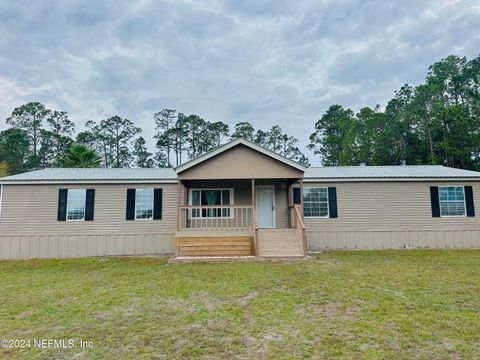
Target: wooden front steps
{"x":215,"y":246}
{"x":272,"y":243}
{"x":281,"y":243}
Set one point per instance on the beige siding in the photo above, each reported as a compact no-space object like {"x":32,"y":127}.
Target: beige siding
{"x":29,"y":226}
{"x":241,"y":162}
{"x":281,"y":205}
{"x":391,"y":215}
{"x":32,"y":209}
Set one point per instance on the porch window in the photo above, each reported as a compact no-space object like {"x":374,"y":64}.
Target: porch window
{"x":211,"y":197}
{"x":452,"y":201}
{"x":315,"y":202}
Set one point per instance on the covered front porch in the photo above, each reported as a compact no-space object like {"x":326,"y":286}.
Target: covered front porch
{"x":239,"y":217}
{"x":239,"y":200}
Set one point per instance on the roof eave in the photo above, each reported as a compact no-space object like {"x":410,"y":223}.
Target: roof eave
{"x":90,"y":181}
{"x":388,"y":179}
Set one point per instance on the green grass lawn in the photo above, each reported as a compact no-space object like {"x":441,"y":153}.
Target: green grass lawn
{"x":366,"y":304}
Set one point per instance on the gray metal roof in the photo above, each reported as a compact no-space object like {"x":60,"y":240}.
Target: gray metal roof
{"x":386,"y":172}
{"x":98,"y":174}
{"x":366,"y":173}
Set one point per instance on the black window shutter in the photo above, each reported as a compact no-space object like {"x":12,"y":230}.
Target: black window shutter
{"x":130,"y":204}
{"x":157,"y":204}
{"x":90,"y":205}
{"x":332,"y":202}
{"x":296,"y":195}
{"x":469,"y":201}
{"x":62,"y":204}
{"x":435,"y":201}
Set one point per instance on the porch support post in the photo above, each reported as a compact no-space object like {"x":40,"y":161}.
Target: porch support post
{"x":290,"y":202}
{"x":185,"y":194}
{"x":179,"y":193}
{"x":254,"y":206}
{"x":301,"y":198}
{"x":304,"y":233}
{"x":254,"y":220}
{"x":179,"y":213}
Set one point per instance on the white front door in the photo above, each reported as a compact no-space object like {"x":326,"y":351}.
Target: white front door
{"x":265,"y":206}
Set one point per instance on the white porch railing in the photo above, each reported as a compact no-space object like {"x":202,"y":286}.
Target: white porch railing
{"x":216,"y":217}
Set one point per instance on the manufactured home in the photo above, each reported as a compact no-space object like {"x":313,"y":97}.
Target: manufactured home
{"x":237,"y":200}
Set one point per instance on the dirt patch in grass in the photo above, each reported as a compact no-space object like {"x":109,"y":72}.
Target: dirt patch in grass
{"x":207,"y":300}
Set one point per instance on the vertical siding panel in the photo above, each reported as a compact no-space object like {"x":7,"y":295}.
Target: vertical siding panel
{"x":348,"y":242}
{"x":343,"y":240}
{"x":324,"y":239}
{"x":388,"y":240}
{"x":430,"y":240}
{"x":475,"y":239}
{"x":442,"y":239}
{"x":338,"y":242}
{"x":378,"y":240}
{"x":314,"y":240}
{"x":440,"y":243}
{"x":364,"y":236}
{"x":470,"y":239}
{"x":332,"y":238}
{"x":11,"y":249}
{"x":414,"y":239}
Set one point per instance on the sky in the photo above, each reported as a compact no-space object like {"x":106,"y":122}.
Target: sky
{"x":266,"y":62}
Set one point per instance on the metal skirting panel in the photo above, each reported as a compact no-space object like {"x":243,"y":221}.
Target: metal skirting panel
{"x":319,"y":240}
{"x":63,"y":246}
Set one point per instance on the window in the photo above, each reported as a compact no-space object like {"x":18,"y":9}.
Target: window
{"x":144,"y":204}
{"x":76,"y":204}
{"x":211,"y":197}
{"x":452,"y":201}
{"x":315,"y":202}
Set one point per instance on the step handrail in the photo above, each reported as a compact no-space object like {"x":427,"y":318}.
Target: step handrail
{"x":299,"y":217}
{"x":300,"y":229}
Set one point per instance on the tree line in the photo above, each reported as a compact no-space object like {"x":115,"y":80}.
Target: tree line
{"x":39,"y":138}
{"x":437,"y":122}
